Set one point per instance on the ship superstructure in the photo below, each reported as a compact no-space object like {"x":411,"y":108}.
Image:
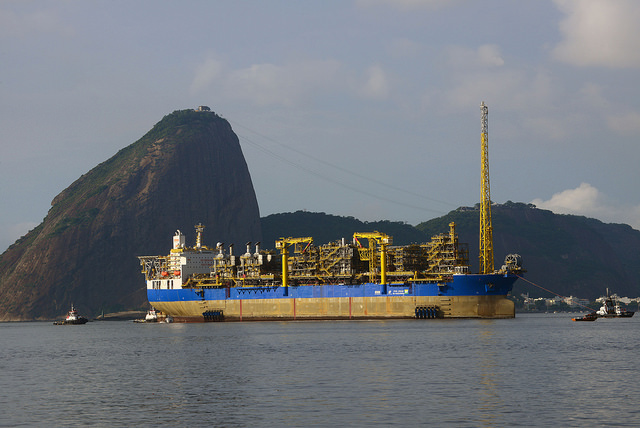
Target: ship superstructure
{"x":182,"y":263}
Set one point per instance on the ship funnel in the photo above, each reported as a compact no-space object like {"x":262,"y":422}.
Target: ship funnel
{"x":230,"y":250}
{"x":258,"y":247}
{"x":248,"y":248}
{"x":178,"y":240}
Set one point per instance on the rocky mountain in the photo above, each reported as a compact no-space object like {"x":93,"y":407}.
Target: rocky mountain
{"x":188,"y":169}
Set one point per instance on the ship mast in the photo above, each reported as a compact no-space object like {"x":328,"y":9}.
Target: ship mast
{"x":199,"y":229}
{"x":486,"y":229}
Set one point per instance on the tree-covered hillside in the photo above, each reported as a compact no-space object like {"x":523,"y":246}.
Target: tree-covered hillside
{"x":563,"y":254}
{"x":324,"y":228}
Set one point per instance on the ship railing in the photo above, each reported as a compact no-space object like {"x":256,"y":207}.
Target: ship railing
{"x":431,"y":277}
{"x":253,"y":281}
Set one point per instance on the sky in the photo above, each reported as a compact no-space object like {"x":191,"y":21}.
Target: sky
{"x":363,"y":108}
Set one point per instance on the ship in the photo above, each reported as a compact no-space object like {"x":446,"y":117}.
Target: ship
{"x":151,"y":316}
{"x":72,"y":318}
{"x":363,"y":276}
{"x":611,"y":308}
{"x":591,"y":316}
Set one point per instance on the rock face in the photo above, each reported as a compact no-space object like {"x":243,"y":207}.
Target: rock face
{"x":188,"y":169}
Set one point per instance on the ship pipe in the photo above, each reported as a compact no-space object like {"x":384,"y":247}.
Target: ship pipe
{"x":285,"y":266}
{"x":383,"y":265}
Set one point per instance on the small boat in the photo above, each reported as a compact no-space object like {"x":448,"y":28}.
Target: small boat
{"x":151,"y":316}
{"x":72,"y":318}
{"x":611,"y":309}
{"x":588,"y":317}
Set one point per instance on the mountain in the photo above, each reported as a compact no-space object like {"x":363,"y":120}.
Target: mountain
{"x":563,"y":254}
{"x":188,"y":169}
{"x":325,"y":228}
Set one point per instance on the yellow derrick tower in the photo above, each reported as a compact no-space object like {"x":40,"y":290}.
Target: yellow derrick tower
{"x":283,"y":244}
{"x":486,"y":229}
{"x":375,"y":238}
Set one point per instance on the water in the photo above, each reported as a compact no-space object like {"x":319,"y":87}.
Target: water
{"x":535,"y":370}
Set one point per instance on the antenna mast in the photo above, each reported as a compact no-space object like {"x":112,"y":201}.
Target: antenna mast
{"x":486,"y":229}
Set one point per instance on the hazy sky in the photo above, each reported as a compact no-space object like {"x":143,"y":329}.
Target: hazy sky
{"x":364,"y":108}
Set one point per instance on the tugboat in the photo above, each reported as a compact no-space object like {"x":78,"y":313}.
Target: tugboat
{"x":592,"y":316}
{"x":612,"y":309}
{"x":151,"y":316}
{"x":72,"y":318}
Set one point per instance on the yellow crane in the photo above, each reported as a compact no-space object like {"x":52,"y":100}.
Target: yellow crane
{"x":374,"y":239}
{"x":486,"y":229}
{"x":283,"y":244}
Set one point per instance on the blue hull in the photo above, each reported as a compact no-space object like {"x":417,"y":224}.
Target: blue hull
{"x":462,"y":285}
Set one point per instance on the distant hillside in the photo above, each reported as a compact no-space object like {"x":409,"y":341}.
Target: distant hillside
{"x":188,"y":169}
{"x":324,"y":228}
{"x":568,"y":255}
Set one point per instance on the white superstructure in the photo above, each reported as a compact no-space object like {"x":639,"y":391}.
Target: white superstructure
{"x":167,"y":272}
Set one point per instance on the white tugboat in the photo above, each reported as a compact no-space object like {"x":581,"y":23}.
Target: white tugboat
{"x":611,"y":309}
{"x":151,"y":316}
{"x":72,"y":318}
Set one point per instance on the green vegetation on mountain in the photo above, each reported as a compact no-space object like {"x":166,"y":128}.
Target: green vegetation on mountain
{"x":563,"y":254}
{"x":324,"y":228}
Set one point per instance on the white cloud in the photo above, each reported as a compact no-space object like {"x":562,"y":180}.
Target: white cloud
{"x":403,"y":47}
{"x":480,"y":74}
{"x":626,"y":123}
{"x":504,"y":87}
{"x":583,"y":199}
{"x":490,"y":55}
{"x":618,"y":117}
{"x":266,"y":84}
{"x":484,"y":56}
{"x":408,"y":4}
{"x":205,"y":74}
{"x":599,"y":33}
{"x":588,"y":201}
{"x":551,"y":127}
{"x":544,"y":106}
{"x":23,"y":24}
{"x":290,"y":84}
{"x":376,"y":85}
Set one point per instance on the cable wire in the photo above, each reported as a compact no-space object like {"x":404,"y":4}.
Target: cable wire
{"x":344,"y":170}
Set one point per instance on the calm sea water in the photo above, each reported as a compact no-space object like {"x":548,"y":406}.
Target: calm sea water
{"x":535,"y":370}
